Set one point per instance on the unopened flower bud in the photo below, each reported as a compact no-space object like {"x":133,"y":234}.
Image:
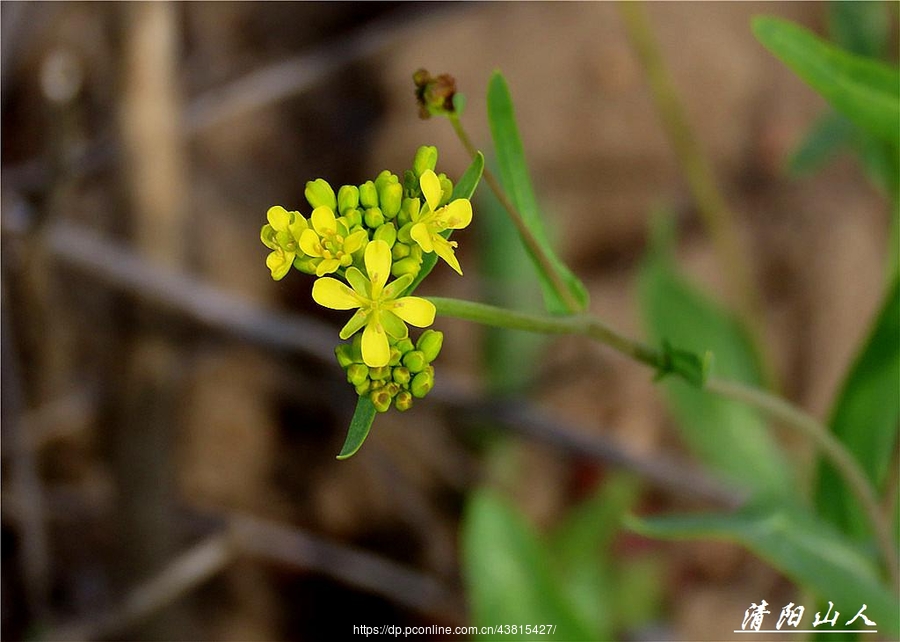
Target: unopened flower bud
{"x":377,"y":374}
{"x":415,"y":361}
{"x":386,"y":233}
{"x":344,"y":354}
{"x":403,"y":401}
{"x":403,"y":234}
{"x":319,"y":193}
{"x":357,"y":373}
{"x":410,"y":182}
{"x":399,"y":251}
{"x":446,"y":188}
{"x":401,"y":375}
{"x":395,"y":357}
{"x":415,"y":252}
{"x":368,"y":195}
{"x":409,"y":265}
{"x":381,"y":400}
{"x":347,"y":198}
{"x":409,"y":211}
{"x":390,"y":196}
{"x":392,"y":388}
{"x":356,"y":347}
{"x":422,"y":384}
{"x":429,"y":344}
{"x":426,"y":158}
{"x":305,"y":264}
{"x":405,"y":345}
{"x":353,"y":218}
{"x":363,"y":388}
{"x":373,"y":217}
{"x":385,"y":178}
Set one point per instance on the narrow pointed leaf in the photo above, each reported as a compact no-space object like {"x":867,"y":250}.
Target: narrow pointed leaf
{"x":517,"y":183}
{"x":807,"y":550}
{"x":864,"y":90}
{"x":866,"y":418}
{"x":359,"y":427}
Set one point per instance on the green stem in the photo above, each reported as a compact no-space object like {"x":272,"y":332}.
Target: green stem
{"x":716,"y":215}
{"x":789,"y":415}
{"x":544,"y":262}
{"x":773,"y":406}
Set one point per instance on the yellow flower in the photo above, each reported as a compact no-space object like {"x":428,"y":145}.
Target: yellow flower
{"x":282,"y":235}
{"x":432,"y":220}
{"x":330,"y":241}
{"x":379,"y":309}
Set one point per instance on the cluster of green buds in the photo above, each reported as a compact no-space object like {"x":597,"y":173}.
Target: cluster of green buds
{"x":407,"y":375}
{"x":366,"y":244}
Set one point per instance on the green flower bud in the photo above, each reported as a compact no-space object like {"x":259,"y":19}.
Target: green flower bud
{"x":422,"y":384}
{"x":347,"y":198}
{"x":403,"y":401}
{"x":356,"y":347}
{"x":429,"y":344}
{"x":373,"y":217}
{"x":386,"y":233}
{"x":377,"y":374}
{"x":305,"y":264}
{"x":352,"y":218}
{"x":405,"y":345}
{"x":426,"y":158}
{"x":403,"y":234}
{"x":401,"y":375}
{"x":395,"y":357}
{"x":446,"y":188}
{"x":415,"y":252}
{"x":410,"y":209}
{"x":357,"y":373}
{"x":385,"y":178}
{"x":399,"y":251}
{"x":368,"y":195}
{"x":392,"y":389}
{"x":390,"y":196}
{"x":381,"y":400}
{"x":409,"y":265}
{"x":363,"y":388}
{"x":415,"y":361}
{"x":410,"y":183}
{"x":319,"y":193}
{"x":344,"y":354}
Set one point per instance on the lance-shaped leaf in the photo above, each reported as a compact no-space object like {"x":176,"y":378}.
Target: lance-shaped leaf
{"x":362,"y":420}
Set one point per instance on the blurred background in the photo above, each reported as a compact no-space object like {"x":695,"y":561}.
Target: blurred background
{"x":171,"y":414}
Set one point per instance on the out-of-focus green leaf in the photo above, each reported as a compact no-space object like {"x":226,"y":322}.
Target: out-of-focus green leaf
{"x":362,"y":420}
{"x":464,"y":188}
{"x":866,"y":418}
{"x":729,"y":437}
{"x":581,"y":547}
{"x":828,"y":135}
{"x":860,"y":26}
{"x":809,"y":551}
{"x":509,"y":573}
{"x":865,"y":91}
{"x":508,"y":280}
{"x":517,"y":182}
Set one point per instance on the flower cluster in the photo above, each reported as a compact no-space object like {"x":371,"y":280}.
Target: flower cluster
{"x":366,"y":245}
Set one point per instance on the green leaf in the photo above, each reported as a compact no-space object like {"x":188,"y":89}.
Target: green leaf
{"x":861,"y":27}
{"x":727,"y":436}
{"x":827,"y":136}
{"x":508,"y":572}
{"x":464,"y":188}
{"x":866,"y":418}
{"x":865,"y":91}
{"x":517,"y":183}
{"x":809,"y":551}
{"x":359,"y":427}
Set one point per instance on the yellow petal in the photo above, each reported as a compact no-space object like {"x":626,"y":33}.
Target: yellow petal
{"x":456,"y":215}
{"x":278,"y":217}
{"x":414,"y":310}
{"x":323,"y":220}
{"x":378,"y":265}
{"x":376,"y":351}
{"x":355,"y":241}
{"x":444,"y":250}
{"x":420,"y":234}
{"x":310,"y":243}
{"x":279,"y":263}
{"x":331,"y":293}
{"x":358,"y":282}
{"x":431,"y":189}
{"x":327,"y":266}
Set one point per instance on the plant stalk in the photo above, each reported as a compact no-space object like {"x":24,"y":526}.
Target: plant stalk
{"x":587,"y":325}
